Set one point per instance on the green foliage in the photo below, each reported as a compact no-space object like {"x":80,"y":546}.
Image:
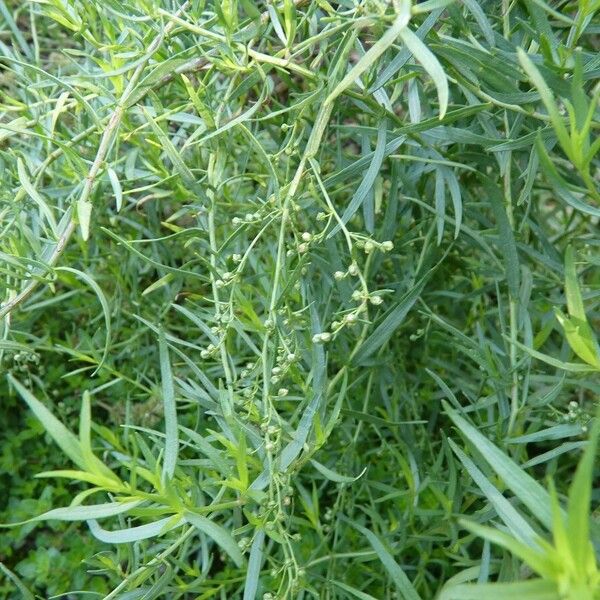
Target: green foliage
{"x":264,"y":265}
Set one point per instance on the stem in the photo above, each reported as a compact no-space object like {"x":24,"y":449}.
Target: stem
{"x":215,"y":290}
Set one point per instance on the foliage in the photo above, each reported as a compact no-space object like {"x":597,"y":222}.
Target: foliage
{"x":265,"y":265}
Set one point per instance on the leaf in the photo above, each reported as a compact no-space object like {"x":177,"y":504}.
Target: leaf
{"x":390,"y":323}
{"x":539,"y":561}
{"x":475,"y":9}
{"x":376,"y":50}
{"x":135,"y":534}
{"x":572,"y":291}
{"x":430,"y":63}
{"x":517,"y":525}
{"x":536,"y":589}
{"x":116,"y":186}
{"x":527,"y":489}
{"x":35,"y":195}
{"x":573,"y":367}
{"x":254,"y":564}
{"x":577,"y":330}
{"x":98,"y":479}
{"x":16,"y":32}
{"x":353,"y":591}
{"x":560,"y":186}
{"x":548,"y":100}
{"x":440,"y":204}
{"x":170,"y":150}
{"x":25,"y":593}
{"x":404,"y":54}
{"x":65,"y":440}
{"x":369,"y":179}
{"x":551,"y":454}
{"x":105,"y":309}
{"x":246,"y":116}
{"x":578,"y":509}
{"x":581,"y":338}
{"x":169,"y":409}
{"x":333,"y":476}
{"x":84,"y":213}
{"x":506,"y":241}
{"x":81,"y":513}
{"x":455,"y":194}
{"x":218,"y":534}
{"x":85,"y":430}
{"x":402,"y":582}
{"x":558,"y":432}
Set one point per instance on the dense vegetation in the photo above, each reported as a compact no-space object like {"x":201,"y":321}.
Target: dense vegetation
{"x":298,"y":299}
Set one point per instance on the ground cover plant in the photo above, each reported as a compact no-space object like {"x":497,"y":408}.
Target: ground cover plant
{"x":299,"y":299}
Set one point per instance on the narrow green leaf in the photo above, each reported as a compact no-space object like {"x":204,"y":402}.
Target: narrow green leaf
{"x":479,"y":15}
{"x":539,"y":561}
{"x":527,"y":489}
{"x":506,"y":240}
{"x":84,"y":215}
{"x":16,"y":32}
{"x":98,"y":479}
{"x":430,"y":63}
{"x":536,"y":589}
{"x":82,"y":513}
{"x":35,"y":195}
{"x":518,"y":526}
{"x":170,"y":150}
{"x":245,"y":116}
{"x":572,"y":291}
{"x":254,"y":564}
{"x":440,"y":204}
{"x":559,"y":185}
{"x":558,"y":432}
{"x":392,"y":320}
{"x":559,"y":364}
{"x":333,"y":476}
{"x":404,"y":54}
{"x":455,"y":194}
{"x":369,"y":179}
{"x":218,"y":534}
{"x":547,"y":99}
{"x":402,"y":582}
{"x":105,"y":309}
{"x":19,"y":585}
{"x":135,"y":534}
{"x":116,"y":186}
{"x":376,"y":50}
{"x":65,"y":440}
{"x":578,"y":509}
{"x":353,"y":591}
{"x":85,"y":429}
{"x":581,"y":338}
{"x":170,"y":410}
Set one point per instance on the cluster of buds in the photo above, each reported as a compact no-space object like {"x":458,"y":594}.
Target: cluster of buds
{"x":225,"y":279}
{"x":305,"y":244}
{"x":248,"y":218}
{"x":353,"y":271}
{"x":209,"y":351}
{"x":577,"y":414}
{"x":370,"y":245}
{"x":360,"y":296}
{"x":321,"y":338}
{"x":348,"y":319}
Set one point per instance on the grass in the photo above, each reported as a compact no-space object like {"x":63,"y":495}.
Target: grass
{"x":299,"y":299}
